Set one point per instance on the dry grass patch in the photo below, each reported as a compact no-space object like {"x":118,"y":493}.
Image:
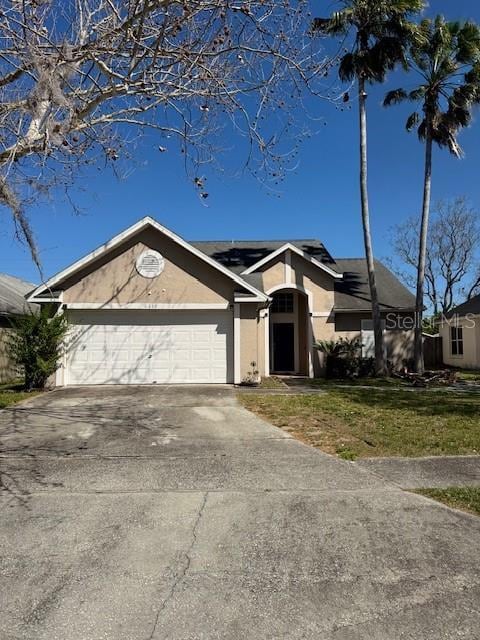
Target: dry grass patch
{"x":371,"y":423}
{"x":272,"y":382}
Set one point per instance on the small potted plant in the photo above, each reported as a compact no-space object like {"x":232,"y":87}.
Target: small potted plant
{"x":252,"y":379}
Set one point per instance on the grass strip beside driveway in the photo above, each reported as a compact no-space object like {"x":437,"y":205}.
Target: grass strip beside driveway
{"x":464,"y":498}
{"x":370,"y":423}
{"x":13,"y":393}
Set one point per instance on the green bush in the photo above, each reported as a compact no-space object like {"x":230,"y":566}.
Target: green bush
{"x":343,"y":358}
{"x":36,"y":345}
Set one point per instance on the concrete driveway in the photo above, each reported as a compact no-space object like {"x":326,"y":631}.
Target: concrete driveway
{"x":171,"y":513}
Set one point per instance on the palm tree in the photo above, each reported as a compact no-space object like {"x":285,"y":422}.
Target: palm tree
{"x":378,"y":32}
{"x":446,"y":56}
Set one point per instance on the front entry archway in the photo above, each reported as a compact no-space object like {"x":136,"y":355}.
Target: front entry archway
{"x":290,"y":331}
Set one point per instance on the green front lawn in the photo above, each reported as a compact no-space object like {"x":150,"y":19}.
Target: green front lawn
{"x":464,"y":498}
{"x":359,"y":382}
{"x":373,"y":423}
{"x":12,"y":393}
{"x":469,"y":375}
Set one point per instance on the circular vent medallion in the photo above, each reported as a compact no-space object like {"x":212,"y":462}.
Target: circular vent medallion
{"x":150,"y":264}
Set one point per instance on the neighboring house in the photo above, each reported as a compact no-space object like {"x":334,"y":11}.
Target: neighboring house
{"x":460,"y":331}
{"x":149,"y":307}
{"x":12,"y":304}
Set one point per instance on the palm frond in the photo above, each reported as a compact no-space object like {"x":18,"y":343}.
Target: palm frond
{"x":455,"y":148}
{"x":404,"y":6}
{"x":422,"y":130}
{"x":439,"y":50}
{"x":413,"y":121}
{"x":444,"y":133}
{"x":459,"y":116}
{"x":337,"y":24}
{"x":473,"y":76}
{"x":320,"y":24}
{"x":389,"y":50}
{"x":347,"y":69}
{"x":395,"y":97}
{"x":381,"y":32}
{"x":417,"y":94}
{"x":468,"y":44}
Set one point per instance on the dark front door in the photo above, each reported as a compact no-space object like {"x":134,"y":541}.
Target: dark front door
{"x":283,"y":347}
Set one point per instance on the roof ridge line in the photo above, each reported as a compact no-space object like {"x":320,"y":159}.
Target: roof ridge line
{"x":285,"y":241}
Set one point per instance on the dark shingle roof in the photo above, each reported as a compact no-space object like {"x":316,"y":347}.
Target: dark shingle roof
{"x":12,"y":295}
{"x":352,"y":293}
{"x":238,"y":255}
{"x":470,"y":306}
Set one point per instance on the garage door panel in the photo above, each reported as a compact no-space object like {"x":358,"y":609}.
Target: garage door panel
{"x":126,"y":347}
{"x":160,"y":354}
{"x":202,"y":355}
{"x":122,"y":357}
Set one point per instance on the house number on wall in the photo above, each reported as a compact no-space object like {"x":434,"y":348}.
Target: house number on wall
{"x":150,"y":264}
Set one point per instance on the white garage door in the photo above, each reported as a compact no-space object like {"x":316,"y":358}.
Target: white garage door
{"x":147,"y":347}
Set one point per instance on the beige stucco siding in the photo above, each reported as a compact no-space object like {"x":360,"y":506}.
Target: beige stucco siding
{"x":114,"y":278}
{"x":323,"y":329}
{"x":471,"y":343}
{"x":251,"y":340}
{"x":317,"y":282}
{"x":400,"y":345}
{"x":303,"y":275}
{"x":274,"y":273}
{"x":261,"y":345}
{"x":399,"y":342}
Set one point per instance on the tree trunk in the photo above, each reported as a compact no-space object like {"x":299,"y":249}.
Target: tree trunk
{"x":422,"y":254}
{"x":367,"y":237}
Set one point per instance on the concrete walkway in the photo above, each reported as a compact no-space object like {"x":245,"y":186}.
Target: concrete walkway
{"x":163,"y":513}
{"x":432,"y":472}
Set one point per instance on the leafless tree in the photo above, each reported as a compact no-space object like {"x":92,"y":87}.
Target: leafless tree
{"x":453,"y":262}
{"x":74,"y":76}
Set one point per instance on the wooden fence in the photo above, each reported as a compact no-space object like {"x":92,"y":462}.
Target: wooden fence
{"x":432,"y":351}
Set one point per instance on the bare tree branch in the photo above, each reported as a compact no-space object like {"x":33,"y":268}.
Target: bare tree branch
{"x":74,"y":75}
{"x":452,"y":272}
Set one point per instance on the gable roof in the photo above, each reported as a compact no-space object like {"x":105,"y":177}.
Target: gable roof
{"x":471,"y":306}
{"x":288,"y":246}
{"x":353,"y":292}
{"x":240,"y":255}
{"x":117,"y":240}
{"x":12,"y":295}
{"x":239,"y":259}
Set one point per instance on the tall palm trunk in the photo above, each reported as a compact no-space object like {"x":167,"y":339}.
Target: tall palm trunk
{"x":422,"y":254}
{"x":367,"y":237}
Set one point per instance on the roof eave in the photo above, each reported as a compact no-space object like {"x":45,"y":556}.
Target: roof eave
{"x":145,"y":222}
{"x":290,"y":247}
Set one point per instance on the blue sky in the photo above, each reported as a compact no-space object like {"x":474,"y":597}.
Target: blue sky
{"x":320,"y":200}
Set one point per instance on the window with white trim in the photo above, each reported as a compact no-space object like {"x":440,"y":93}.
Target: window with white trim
{"x":456,"y":341}
{"x":282,"y":303}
